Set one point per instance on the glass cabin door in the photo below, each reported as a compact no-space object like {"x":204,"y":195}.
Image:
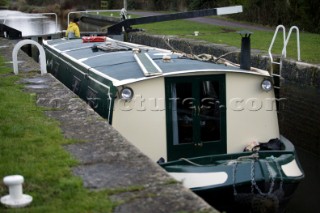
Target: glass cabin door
{"x":196,"y":116}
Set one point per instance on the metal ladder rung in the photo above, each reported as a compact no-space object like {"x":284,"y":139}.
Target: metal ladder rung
{"x":276,"y":62}
{"x":277,"y":75}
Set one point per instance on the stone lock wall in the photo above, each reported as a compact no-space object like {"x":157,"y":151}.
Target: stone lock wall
{"x":299,"y":114}
{"x":300,"y":120}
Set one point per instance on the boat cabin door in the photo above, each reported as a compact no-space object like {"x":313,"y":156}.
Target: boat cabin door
{"x":196,"y":116}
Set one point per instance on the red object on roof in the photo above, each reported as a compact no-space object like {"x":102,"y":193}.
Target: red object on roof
{"x":87,"y":39}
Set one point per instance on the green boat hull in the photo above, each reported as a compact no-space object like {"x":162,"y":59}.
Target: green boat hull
{"x":252,"y":179}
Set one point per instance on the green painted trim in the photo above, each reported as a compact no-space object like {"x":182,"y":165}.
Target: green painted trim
{"x":220,"y":163}
{"x":92,"y":87}
{"x":190,"y":150}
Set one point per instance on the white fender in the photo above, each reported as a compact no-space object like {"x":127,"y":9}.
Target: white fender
{"x":42,"y":56}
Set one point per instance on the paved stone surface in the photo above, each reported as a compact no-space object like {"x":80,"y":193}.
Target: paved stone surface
{"x":106,"y":159}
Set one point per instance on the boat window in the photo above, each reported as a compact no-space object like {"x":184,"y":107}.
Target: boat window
{"x":182,"y":109}
{"x":195,"y":111}
{"x":209,"y":114}
{"x":196,"y":116}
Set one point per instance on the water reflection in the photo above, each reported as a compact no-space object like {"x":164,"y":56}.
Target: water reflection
{"x":39,"y":24}
{"x":30,"y":24}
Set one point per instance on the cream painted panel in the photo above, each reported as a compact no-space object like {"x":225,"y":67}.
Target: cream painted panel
{"x":251,"y":112}
{"x":142,"y":120}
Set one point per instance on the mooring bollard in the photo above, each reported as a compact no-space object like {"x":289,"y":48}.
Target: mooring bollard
{"x":16,"y":198}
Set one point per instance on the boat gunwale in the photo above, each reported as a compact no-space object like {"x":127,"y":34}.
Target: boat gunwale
{"x":226,"y":168}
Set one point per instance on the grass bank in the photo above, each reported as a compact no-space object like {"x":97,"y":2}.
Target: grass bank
{"x":31,"y":145}
{"x":260,"y":40}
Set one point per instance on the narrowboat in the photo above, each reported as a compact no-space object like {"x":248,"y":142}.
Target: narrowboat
{"x":210,"y":123}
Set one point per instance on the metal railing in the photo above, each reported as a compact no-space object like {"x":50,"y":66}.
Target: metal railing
{"x":298,"y":41}
{"x":284,"y":48}
{"x":42,"y":55}
{"x":273,"y":40}
{"x":285,"y":42}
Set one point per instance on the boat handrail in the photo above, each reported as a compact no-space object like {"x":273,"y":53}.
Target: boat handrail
{"x":146,"y":63}
{"x":254,"y":155}
{"x":191,"y":162}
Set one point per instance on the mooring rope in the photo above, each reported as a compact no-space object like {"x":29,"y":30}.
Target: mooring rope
{"x":189,"y":161}
{"x":201,"y":57}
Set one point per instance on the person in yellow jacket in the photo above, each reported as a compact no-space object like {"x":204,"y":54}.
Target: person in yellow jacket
{"x":73,"y":30}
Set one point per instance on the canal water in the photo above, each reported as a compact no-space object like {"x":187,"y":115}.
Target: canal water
{"x":307,"y":196}
{"x":39,"y":24}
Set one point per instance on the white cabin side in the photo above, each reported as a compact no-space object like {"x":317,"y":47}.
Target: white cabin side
{"x":143,"y":120}
{"x":251,"y":114}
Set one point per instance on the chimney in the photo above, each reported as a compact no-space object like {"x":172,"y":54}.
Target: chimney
{"x":245,"y":55}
